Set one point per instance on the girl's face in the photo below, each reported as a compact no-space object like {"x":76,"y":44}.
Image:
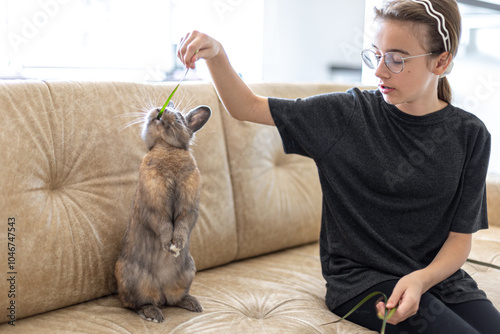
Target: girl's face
{"x":414,"y":90}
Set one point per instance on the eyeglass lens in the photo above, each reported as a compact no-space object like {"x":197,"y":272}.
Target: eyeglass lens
{"x":393,"y":61}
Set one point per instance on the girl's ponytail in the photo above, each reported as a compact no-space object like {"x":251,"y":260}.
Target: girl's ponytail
{"x":444,"y":90}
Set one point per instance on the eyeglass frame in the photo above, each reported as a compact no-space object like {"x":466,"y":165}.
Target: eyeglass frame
{"x":379,"y":57}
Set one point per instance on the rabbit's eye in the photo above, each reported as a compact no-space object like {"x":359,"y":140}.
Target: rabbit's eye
{"x":179,"y":119}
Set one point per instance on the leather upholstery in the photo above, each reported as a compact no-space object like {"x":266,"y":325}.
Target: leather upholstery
{"x":69,"y":172}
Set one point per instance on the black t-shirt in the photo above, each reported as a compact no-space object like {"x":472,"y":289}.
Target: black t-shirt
{"x":394,"y":185}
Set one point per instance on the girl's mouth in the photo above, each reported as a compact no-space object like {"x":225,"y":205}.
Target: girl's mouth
{"x":385,"y":89}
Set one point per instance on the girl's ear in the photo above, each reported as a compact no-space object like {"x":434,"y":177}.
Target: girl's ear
{"x":444,"y":64}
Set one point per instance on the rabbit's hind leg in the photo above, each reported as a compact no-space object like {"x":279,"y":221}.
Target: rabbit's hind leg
{"x":151,"y":313}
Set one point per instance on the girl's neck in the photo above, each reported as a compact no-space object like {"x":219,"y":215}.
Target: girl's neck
{"x":423,"y":107}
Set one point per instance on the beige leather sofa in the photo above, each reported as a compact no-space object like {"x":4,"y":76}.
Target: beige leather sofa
{"x":68,"y":174}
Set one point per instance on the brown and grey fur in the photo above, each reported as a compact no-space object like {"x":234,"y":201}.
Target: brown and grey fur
{"x":154,"y":268}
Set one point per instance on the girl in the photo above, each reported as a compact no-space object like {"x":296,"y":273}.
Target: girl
{"x":402,"y":172}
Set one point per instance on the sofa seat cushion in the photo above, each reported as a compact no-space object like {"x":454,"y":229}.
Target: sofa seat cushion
{"x":277,"y":293}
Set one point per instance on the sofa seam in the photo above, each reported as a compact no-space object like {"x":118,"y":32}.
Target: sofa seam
{"x":222,"y":109}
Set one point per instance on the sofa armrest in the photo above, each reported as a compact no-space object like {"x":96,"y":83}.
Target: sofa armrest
{"x":493,"y":196}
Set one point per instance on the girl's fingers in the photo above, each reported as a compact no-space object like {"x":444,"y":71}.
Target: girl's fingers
{"x":195,"y":57}
{"x":184,"y":46}
{"x":195,"y":46}
{"x":396,"y":295}
{"x":380,"y":307}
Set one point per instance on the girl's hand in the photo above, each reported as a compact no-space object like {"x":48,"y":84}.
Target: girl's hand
{"x":405,"y":296}
{"x":196,"y":45}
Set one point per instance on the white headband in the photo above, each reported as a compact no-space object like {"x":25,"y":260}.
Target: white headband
{"x":441,"y":29}
{"x":440,"y":20}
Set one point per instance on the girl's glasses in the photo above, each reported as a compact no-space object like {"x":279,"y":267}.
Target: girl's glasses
{"x":394,"y":62}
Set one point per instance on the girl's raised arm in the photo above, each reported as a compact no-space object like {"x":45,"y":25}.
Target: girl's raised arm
{"x":237,"y":97}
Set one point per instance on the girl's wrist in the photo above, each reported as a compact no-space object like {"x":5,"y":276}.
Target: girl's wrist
{"x":425,"y":277}
{"x":219,"y":56}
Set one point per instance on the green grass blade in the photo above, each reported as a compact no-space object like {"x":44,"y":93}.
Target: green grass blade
{"x":391,"y":313}
{"x":168,"y":100}
{"x":387,"y":313}
{"x":481,"y":263}
{"x":171,"y":95}
{"x":364,"y":300}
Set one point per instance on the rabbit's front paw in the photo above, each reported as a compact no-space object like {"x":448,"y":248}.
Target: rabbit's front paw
{"x":176,"y":247}
{"x":166,"y":246}
{"x":166,"y":241}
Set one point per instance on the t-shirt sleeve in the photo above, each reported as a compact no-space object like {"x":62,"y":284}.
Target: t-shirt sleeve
{"x":471,"y":214}
{"x":311,"y":126}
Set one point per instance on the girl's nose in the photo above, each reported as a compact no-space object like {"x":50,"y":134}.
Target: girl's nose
{"x":382,"y":71}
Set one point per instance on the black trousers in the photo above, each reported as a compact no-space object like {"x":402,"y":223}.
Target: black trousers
{"x":433,"y":316}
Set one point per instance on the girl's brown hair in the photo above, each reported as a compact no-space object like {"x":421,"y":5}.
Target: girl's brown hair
{"x":414,"y":12}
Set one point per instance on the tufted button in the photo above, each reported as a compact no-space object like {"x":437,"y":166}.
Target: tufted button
{"x":55,"y":185}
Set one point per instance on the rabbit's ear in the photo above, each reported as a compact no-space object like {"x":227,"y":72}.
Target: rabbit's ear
{"x":197,"y":117}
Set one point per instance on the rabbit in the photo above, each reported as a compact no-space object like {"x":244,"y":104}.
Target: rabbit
{"x":154,"y":267}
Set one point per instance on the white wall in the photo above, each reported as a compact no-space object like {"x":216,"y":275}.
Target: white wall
{"x":84,"y":40}
{"x":303,"y":38}
{"x":237,"y":24}
{"x":277,"y":40}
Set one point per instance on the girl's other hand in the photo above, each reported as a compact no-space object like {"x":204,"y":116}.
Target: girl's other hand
{"x":196,"y":45}
{"x":405,"y":296}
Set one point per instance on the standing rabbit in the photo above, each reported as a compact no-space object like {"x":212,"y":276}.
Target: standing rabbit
{"x":154,"y":267}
